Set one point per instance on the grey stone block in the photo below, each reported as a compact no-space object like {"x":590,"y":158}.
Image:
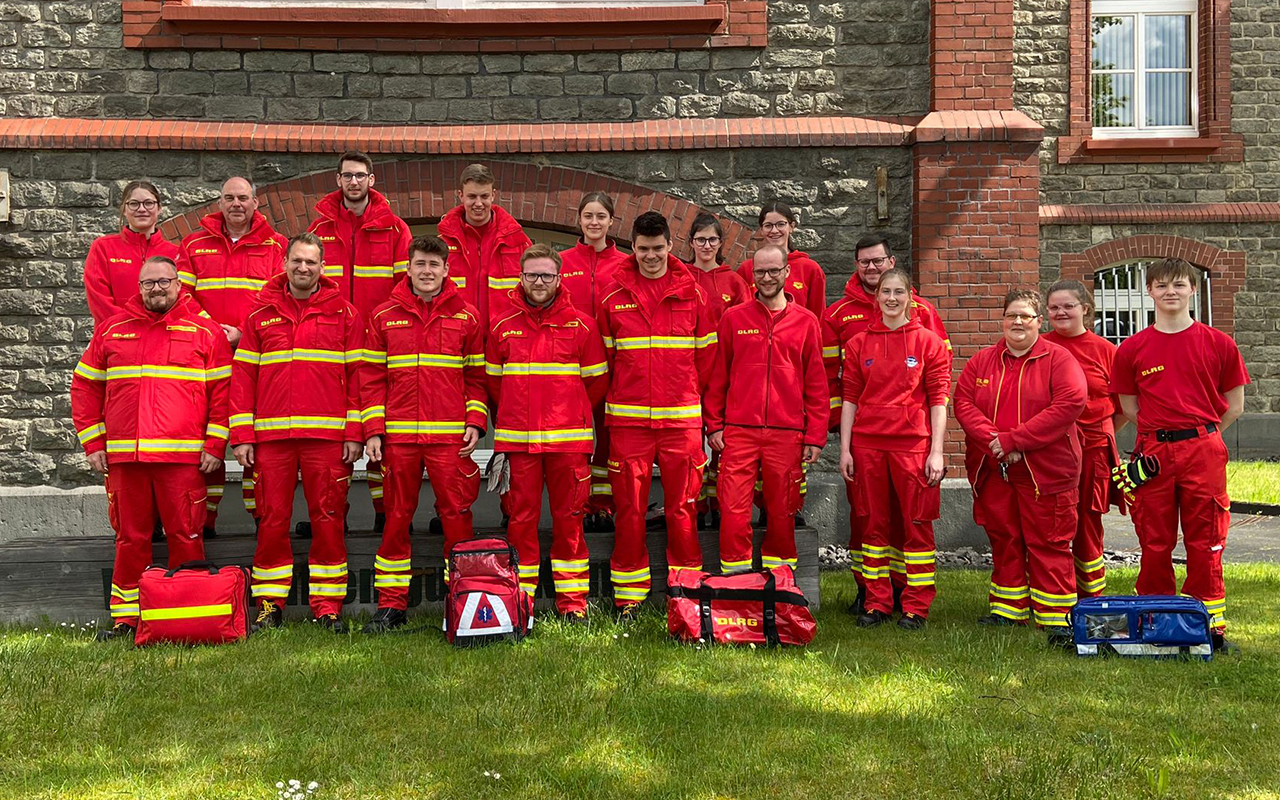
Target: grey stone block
{"x":448,"y":87}
{"x":548,"y":62}
{"x":490,"y":86}
{"x":470,"y":110}
{"x":318,"y":84}
{"x":515,"y":109}
{"x":172,"y":83}
{"x":289,"y":109}
{"x":558,"y":108}
{"x":500,"y":63}
{"x":176,"y":106}
{"x":632,"y":83}
{"x":341,"y":62}
{"x":345,"y":110}
{"x":244,"y":108}
{"x":584,"y":84}
{"x":169,"y":59}
{"x":537,"y":86}
{"x":406,"y":87}
{"x":43,"y":35}
{"x":216,"y":60}
{"x":636,"y":62}
{"x":607,"y":108}
{"x":391,"y":110}
{"x":597,"y":62}
{"x":277,"y":61}
{"x":451,"y":65}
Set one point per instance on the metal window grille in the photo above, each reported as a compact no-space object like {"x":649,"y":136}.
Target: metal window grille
{"x":1123,"y":307}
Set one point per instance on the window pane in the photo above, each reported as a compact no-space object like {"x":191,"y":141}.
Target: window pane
{"x":1168,"y":98}
{"x":1113,"y":42}
{"x":1168,"y":42}
{"x":1113,"y":101}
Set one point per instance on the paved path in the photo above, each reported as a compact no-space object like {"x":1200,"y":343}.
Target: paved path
{"x":1251,"y":538}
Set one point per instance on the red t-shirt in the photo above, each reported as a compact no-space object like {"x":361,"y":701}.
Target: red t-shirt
{"x":1096,"y":357}
{"x":1180,"y":379}
{"x":652,"y":290}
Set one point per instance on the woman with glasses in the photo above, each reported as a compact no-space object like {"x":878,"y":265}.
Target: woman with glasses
{"x":807,"y":283}
{"x":1070,"y":307}
{"x":112,"y":266}
{"x":1018,"y":401}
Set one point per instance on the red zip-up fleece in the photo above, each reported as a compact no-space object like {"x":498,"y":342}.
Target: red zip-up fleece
{"x":152,"y":388}
{"x":768,"y":372}
{"x":547,"y":369}
{"x":807,"y":283}
{"x":587,"y":275}
{"x":484,"y":262}
{"x":894,"y":377}
{"x":660,"y":359}
{"x":423,"y":375}
{"x":226,"y":276}
{"x":296,"y":372}
{"x":112,"y":266}
{"x":1047,"y":388}
{"x":1096,"y":356}
{"x":724,"y":287}
{"x":364,"y":255}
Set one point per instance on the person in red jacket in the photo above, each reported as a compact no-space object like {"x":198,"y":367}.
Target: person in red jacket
{"x":1070,"y":306}
{"x":807,"y":282}
{"x":225,"y":264}
{"x":366,"y":249}
{"x":586,"y":273}
{"x":661,"y":346}
{"x":149,"y":403}
{"x":1182,"y":384}
{"x":423,"y":391}
{"x":844,"y":318}
{"x":725,"y":289}
{"x":485,"y":243}
{"x":766,"y":412}
{"x":295,"y":405}
{"x":111,"y":268}
{"x":1018,"y":402}
{"x":547,"y":369}
{"x":897,"y":376}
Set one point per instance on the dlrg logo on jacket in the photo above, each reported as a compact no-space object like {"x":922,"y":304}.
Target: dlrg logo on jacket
{"x":395,"y":323}
{"x":982,"y":381}
{"x":272,"y":321}
{"x":750,"y":623}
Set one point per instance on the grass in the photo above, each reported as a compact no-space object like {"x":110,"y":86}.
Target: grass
{"x":954,"y":712}
{"x":1254,"y":481}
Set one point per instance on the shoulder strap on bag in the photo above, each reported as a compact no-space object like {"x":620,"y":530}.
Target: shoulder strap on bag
{"x":193,"y":565}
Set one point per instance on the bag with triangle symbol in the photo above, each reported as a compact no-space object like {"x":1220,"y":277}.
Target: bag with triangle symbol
{"x":485,"y":602}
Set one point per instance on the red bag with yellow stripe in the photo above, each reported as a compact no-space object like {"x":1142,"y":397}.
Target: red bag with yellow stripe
{"x":193,"y":603}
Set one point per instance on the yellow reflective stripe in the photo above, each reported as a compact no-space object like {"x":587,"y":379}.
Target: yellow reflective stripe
{"x":1050,"y":618}
{"x":271,"y":573}
{"x":625,"y":593}
{"x":537,"y":368}
{"x":374,"y":270}
{"x":155,"y":445}
{"x":189,"y":278}
{"x":391,"y":565}
{"x":503,"y":283}
{"x":674,"y":568}
{"x":124,"y":610}
{"x":476,"y":405}
{"x":572,"y":586}
{"x":327,"y":571}
{"x":374,"y":356}
{"x":528,"y":570}
{"x":653,"y":412}
{"x":657,"y":342}
{"x":731,"y":566}
{"x":594,"y":369}
{"x":570,"y":565}
{"x":1096,"y":585}
{"x":875,"y":551}
{"x":401,"y":266}
{"x":274,"y":590}
{"x":836,"y":402}
{"x":207,"y":284}
{"x":424,"y":427}
{"x":169,"y":372}
{"x":373,"y":412}
{"x":1051,"y":599}
{"x":91,"y":432}
{"x":248,"y":356}
{"x":124,"y":594}
{"x":775,"y":561}
{"x":602,"y":489}
{"x":90,"y":373}
{"x":219,"y":373}
{"x":1089,"y":566}
{"x":543,"y":437}
{"x":920,"y":556}
{"x":352,"y":356}
{"x":921,"y":578}
{"x":831,"y":352}
{"x":393,"y":581}
{"x":187,"y":612}
{"x":303,"y":354}
{"x":328,"y":589}
{"x":215,"y":430}
{"x":609,"y":342}
{"x":1011,"y":612}
{"x":1011,"y":592}
{"x":424,"y":360}
{"x":491,"y":368}
{"x":333,"y":271}
{"x":707,"y":340}
{"x":285,"y":423}
{"x":633,"y":576}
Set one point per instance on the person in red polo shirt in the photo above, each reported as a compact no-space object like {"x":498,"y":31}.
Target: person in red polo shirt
{"x":112,"y":265}
{"x":1182,"y":384}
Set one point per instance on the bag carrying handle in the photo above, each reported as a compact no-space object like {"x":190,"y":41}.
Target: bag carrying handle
{"x":770,"y":602}
{"x":193,"y":565}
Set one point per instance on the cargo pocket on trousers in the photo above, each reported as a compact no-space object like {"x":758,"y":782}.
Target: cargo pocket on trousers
{"x":1220,"y":518}
{"x":334,"y":503}
{"x":926,"y":500}
{"x":581,"y":488}
{"x":113,"y":508}
{"x":693,"y":484}
{"x":196,"y":510}
{"x":861,"y":503}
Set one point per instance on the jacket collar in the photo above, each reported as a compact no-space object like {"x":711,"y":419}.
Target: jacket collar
{"x":683,"y":284}
{"x":376,"y":215}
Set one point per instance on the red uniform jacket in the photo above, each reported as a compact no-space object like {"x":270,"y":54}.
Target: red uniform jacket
{"x":296,"y":371}
{"x":587,"y":275}
{"x":547,"y":369}
{"x":660,"y":362}
{"x":1095,"y":356}
{"x":768,"y":372}
{"x":807,"y":283}
{"x":484,"y":262}
{"x":112,"y":266}
{"x":724,"y":287}
{"x":225,"y":276}
{"x":1049,"y":396}
{"x":153,"y":387}
{"x":423,"y":376}
{"x":894,"y":378}
{"x":364,"y":255}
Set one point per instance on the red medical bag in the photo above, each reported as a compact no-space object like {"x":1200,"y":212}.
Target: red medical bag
{"x":193,"y":603}
{"x":485,"y":602}
{"x":763,"y":606}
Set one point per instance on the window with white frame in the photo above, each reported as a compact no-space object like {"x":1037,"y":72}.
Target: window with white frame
{"x":1122,"y":306}
{"x":1143,"y":68}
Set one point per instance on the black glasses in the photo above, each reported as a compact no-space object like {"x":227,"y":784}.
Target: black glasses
{"x":1023,"y":318}
{"x":162,"y":283}
{"x":706,"y":241}
{"x":767,"y":273}
{"x":539,"y":277}
{"x":134,"y":205}
{"x":873,"y":262}
{"x":354,"y":177}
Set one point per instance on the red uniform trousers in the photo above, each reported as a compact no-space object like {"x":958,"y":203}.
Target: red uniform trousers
{"x":455,"y":480}
{"x":135,"y":494}
{"x":373,"y":476}
{"x":1033,"y":574}
{"x":325,"y":481}
{"x":567,"y":477}
{"x":1095,"y":493}
{"x":1191,"y":489}
{"x":601,"y":499}
{"x":215,"y":484}
{"x":893,"y":488}
{"x":775,"y":454}
{"x":632,"y":451}
{"x":857,"y":528}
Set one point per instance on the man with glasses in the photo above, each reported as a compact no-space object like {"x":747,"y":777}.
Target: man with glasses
{"x":225,"y":264}
{"x":149,"y":402}
{"x":366,"y":247}
{"x":547,"y":368}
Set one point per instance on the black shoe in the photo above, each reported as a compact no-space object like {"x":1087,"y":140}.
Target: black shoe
{"x":629,"y":613}
{"x":157,"y":532}
{"x":574,"y":618}
{"x":897,"y":598}
{"x":302,"y":530}
{"x":379,"y":522}
{"x":386,"y":619}
{"x":435,"y":527}
{"x":997,"y":621}
{"x":1224,"y":648}
{"x":859,"y":605}
{"x":209,"y":533}
{"x":332,"y":622}
{"x":911,"y":622}
{"x":1060,"y":636}
{"x":873,"y":618}
{"x":762,"y":520}
{"x":270,"y":615}
{"x":121,"y":630}
{"x":714,"y":522}
{"x":799,"y":520}
{"x":589,"y":524}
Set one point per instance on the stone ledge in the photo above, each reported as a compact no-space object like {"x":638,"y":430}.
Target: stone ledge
{"x":1157,"y":213}
{"x":976,"y":126}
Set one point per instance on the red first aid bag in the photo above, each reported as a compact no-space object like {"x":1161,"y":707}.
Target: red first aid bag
{"x":763,"y":606}
{"x":193,"y":603}
{"x":485,"y":602}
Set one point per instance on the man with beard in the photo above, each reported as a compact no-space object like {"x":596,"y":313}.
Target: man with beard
{"x":149,"y":402}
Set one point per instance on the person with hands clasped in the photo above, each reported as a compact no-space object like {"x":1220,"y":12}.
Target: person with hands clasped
{"x":897,"y":375}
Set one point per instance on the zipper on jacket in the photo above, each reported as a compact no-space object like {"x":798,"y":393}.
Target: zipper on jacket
{"x":1026,"y":460}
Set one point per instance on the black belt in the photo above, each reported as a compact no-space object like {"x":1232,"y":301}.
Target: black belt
{"x":1185,"y":433}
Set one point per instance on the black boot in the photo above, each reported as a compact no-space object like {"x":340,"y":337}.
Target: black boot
{"x":157,"y":532}
{"x":332,"y":622}
{"x":209,"y":533}
{"x":1060,"y":636}
{"x":997,"y":621}
{"x":911,"y":622}
{"x":270,"y":615}
{"x":121,"y":630}
{"x":872,"y":619}
{"x":302,"y":530}
{"x":859,"y":605}
{"x":386,"y":619}
{"x":435,"y":527}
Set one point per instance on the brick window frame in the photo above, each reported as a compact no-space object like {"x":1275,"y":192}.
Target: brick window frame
{"x":153,"y":24}
{"x":1225,"y":267}
{"x":1216,"y":142}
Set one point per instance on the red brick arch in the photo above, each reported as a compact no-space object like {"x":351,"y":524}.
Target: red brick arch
{"x":1225,"y":267}
{"x":545,"y":197}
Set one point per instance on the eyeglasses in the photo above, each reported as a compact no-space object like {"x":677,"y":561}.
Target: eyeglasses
{"x":134,"y":205}
{"x":162,"y":283}
{"x":354,"y":177}
{"x":774,"y":226}
{"x":767,"y":273}
{"x":1064,"y":307}
{"x":539,"y":277}
{"x":873,"y":262}
{"x":1021,"y":317}
{"x":706,"y":241}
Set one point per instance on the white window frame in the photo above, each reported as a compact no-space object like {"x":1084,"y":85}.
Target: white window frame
{"x":1139,"y":10}
{"x":1133,"y":302}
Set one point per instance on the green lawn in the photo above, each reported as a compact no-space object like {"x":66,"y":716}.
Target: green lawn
{"x":954,"y":712}
{"x":1254,"y":481}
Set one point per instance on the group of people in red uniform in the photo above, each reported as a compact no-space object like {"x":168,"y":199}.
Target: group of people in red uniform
{"x":589,"y":366}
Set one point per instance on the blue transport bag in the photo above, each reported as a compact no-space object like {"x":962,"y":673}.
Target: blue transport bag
{"x":1151,"y":626}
